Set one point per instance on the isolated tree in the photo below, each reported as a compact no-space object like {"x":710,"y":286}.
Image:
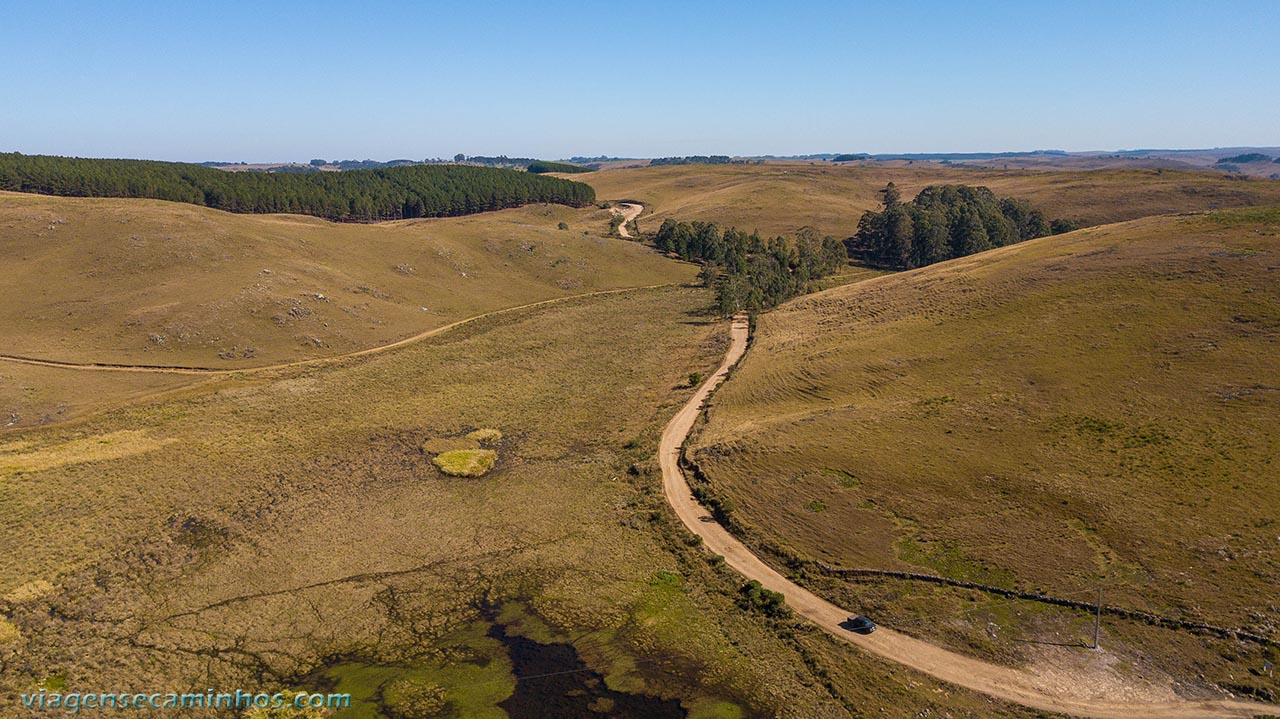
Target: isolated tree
{"x":891,"y":195}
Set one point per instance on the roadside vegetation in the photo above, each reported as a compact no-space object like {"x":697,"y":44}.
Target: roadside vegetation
{"x":394,"y":193}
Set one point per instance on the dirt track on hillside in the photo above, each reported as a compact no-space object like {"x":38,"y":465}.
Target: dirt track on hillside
{"x":1081,"y":698}
{"x":629,"y":212}
{"x":111,"y":367}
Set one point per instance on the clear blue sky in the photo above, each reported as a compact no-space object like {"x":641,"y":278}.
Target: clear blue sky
{"x":270,"y":81}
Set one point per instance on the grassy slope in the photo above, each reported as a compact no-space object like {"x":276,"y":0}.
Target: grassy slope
{"x":1102,"y":406}
{"x":237,"y":534}
{"x":149,"y":282}
{"x":780,"y":198}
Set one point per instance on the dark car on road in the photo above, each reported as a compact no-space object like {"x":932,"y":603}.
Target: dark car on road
{"x":859,"y":624}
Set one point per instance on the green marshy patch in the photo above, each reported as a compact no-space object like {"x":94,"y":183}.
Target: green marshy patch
{"x":466,"y":462}
{"x":472,"y":684}
{"x":509,"y":665}
{"x":466,"y":456}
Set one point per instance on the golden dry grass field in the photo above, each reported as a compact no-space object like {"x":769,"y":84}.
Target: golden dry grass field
{"x":1095,"y":408}
{"x":779,"y":198}
{"x":162,"y":283}
{"x":287,"y":529}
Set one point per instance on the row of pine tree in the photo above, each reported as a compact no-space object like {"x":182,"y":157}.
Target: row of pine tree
{"x":392,"y":193}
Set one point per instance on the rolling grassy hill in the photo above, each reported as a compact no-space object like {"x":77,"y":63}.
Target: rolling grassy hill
{"x":780,"y":198}
{"x":286,"y":528}
{"x":1095,"y":408}
{"x":160,"y":283}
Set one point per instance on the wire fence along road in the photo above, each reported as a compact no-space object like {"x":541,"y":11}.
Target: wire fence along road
{"x":1014,"y":685}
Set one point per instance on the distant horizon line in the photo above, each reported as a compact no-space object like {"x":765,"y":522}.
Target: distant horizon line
{"x":973,"y":154}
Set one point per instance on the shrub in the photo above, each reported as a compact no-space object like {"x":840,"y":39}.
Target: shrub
{"x":1061,"y":226}
{"x":754,"y":597}
{"x":563,"y":226}
{"x":695,"y":379}
{"x":8,"y":633}
{"x":466,"y":462}
{"x":29,"y":591}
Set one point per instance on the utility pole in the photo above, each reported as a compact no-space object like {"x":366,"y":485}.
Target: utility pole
{"x":1097,"y":619}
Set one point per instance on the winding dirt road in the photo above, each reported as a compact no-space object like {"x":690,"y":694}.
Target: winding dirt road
{"x":629,"y":212}
{"x":1019,"y":686}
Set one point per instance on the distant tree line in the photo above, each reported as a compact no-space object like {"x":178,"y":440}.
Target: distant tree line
{"x":541,"y":166}
{"x":747,"y":271}
{"x":495,"y":161}
{"x":693,"y":160}
{"x":1247,"y":157}
{"x":944,"y":222}
{"x":355,"y":196}
{"x":851,"y":157}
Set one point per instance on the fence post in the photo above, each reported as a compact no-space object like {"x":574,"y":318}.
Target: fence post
{"x":1097,"y":619}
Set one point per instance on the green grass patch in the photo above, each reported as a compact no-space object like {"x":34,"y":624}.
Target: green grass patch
{"x":1247,"y":215}
{"x":846,"y":480}
{"x":949,"y":561}
{"x":711,"y":708}
{"x":466,"y":462}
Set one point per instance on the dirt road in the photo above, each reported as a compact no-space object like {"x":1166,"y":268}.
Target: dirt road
{"x":111,"y":367}
{"x":1023,"y":687}
{"x":629,"y":212}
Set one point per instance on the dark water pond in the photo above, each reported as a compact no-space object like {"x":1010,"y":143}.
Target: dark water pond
{"x":554,"y":682}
